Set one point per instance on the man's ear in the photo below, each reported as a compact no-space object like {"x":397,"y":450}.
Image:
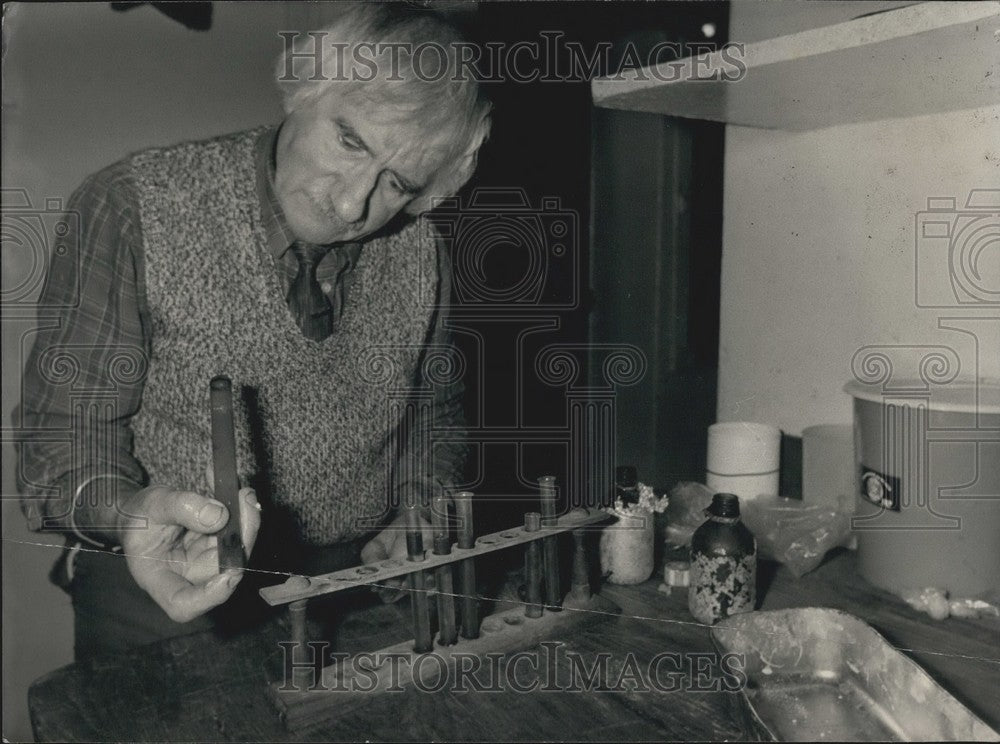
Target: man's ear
{"x":467,"y":161}
{"x":460,"y":172}
{"x":485,"y":126}
{"x":465,"y":164}
{"x":471,"y":155}
{"x":480,"y":140}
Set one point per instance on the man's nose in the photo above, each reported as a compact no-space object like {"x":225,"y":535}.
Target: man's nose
{"x":355,"y":193}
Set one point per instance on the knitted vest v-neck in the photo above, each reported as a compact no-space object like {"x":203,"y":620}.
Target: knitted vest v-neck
{"x":314,"y":422}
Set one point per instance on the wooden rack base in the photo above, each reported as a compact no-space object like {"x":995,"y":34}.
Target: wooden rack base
{"x":358,"y":683}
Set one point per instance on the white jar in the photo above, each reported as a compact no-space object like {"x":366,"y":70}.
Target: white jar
{"x":627,"y":549}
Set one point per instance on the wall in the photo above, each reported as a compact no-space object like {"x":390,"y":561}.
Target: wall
{"x":819,"y":251}
{"x":83,"y":86}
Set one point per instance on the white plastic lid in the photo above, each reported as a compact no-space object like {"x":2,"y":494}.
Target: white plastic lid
{"x":960,"y":396}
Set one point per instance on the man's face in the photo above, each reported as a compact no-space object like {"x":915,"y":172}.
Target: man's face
{"x":346,"y":165}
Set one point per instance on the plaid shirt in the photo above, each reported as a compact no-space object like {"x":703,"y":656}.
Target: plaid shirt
{"x":75,"y":485}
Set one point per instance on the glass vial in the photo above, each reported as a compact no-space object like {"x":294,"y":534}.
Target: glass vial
{"x":626,"y":485}
{"x":626,"y":547}
{"x":723,"y":563}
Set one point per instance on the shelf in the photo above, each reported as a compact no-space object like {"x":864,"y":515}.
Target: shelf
{"x":920,"y":59}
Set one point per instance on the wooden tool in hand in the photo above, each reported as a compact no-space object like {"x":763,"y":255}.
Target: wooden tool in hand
{"x":227,"y":486}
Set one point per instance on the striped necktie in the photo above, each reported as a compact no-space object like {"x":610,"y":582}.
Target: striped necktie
{"x":306,"y":300}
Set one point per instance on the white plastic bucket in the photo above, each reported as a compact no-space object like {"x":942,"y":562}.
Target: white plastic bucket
{"x":928,"y":485}
{"x":828,"y":465}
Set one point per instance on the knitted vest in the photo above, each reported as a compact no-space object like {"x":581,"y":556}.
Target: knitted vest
{"x":314,"y":425}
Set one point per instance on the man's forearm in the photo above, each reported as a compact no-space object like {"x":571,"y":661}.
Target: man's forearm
{"x":79,"y":481}
{"x":436,"y":448}
{"x":100,"y":508}
{"x":449,"y":438}
{"x":92,"y":509}
{"x":75,"y":464}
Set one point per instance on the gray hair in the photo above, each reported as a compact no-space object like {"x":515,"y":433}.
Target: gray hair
{"x":378,"y":50}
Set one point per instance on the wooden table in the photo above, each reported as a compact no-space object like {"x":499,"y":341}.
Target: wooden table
{"x":197,"y":688}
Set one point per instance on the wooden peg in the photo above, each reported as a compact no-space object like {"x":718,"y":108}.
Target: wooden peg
{"x":445,"y":581}
{"x":580,"y":588}
{"x":467,"y":568}
{"x":301,"y":674}
{"x":419,"y":602}
{"x":533,"y":567}
{"x":550,"y":545}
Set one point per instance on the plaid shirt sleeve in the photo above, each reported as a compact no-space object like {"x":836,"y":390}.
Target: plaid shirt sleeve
{"x":84,"y":377}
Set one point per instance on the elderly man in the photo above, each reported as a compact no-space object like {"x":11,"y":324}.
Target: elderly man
{"x":282,"y":258}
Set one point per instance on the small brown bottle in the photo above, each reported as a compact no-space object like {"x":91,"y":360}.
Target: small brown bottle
{"x":626,"y":485}
{"x":723,"y":563}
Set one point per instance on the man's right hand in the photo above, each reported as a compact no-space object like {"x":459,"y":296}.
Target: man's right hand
{"x":172,"y":553}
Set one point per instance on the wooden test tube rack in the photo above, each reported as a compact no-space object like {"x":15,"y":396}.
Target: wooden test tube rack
{"x":307,"y":587}
{"x":507,"y":631}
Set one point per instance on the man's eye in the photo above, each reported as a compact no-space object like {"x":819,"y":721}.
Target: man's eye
{"x":350,"y":142}
{"x":399,"y":187}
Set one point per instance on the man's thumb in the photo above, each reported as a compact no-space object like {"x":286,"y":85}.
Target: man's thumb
{"x":190,"y":510}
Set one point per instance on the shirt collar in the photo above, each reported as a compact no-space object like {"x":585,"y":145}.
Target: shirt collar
{"x":276,"y":230}
{"x":279,"y":236}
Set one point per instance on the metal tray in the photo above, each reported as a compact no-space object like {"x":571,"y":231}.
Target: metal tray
{"x":815,"y":674}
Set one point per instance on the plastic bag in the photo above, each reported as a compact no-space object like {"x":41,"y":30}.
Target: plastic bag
{"x":795,"y":533}
{"x":686,"y":511}
{"x":787,"y":530}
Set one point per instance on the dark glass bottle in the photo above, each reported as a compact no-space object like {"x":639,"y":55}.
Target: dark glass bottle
{"x":626,"y":485}
{"x":723,"y":563}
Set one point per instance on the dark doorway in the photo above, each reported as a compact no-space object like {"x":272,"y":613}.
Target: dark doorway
{"x":645,"y":192}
